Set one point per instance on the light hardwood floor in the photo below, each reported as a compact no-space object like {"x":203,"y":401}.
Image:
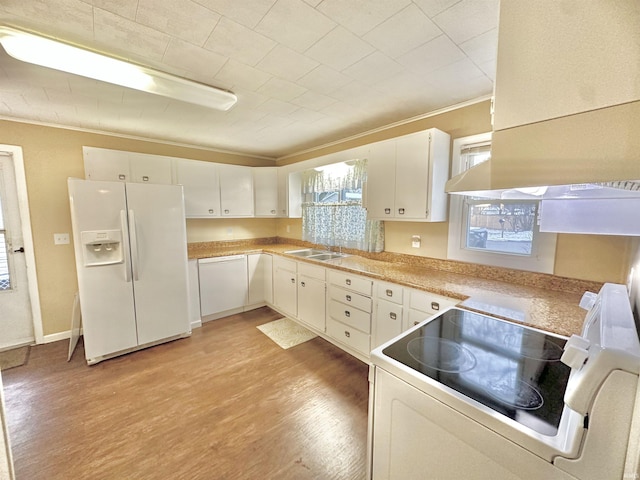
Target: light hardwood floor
{"x":226,"y":403}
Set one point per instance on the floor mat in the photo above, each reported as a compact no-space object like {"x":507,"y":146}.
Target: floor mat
{"x":14,"y":358}
{"x":286,"y":333}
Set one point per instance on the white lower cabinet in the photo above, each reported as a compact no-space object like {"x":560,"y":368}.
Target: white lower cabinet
{"x":389,"y":313}
{"x":223,"y":285}
{"x":350,"y":306}
{"x":312,"y":295}
{"x":285,"y":287}
{"x":423,"y":305}
{"x":260,"y":277}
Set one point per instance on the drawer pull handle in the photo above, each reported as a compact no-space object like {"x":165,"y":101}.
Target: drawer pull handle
{"x":347,"y":313}
{"x":302,"y":284}
{"x":293,"y":280}
{"x":145,"y":178}
{"x":393,"y":316}
{"x":348,"y":297}
{"x":347,"y":281}
{"x":273,"y":212}
{"x":401,"y":211}
{"x":387,"y":211}
{"x":389,"y":292}
{"x":347,"y":334}
{"x":211,"y":211}
{"x":435,"y":306}
{"x":226,"y":211}
{"x":122,"y":177}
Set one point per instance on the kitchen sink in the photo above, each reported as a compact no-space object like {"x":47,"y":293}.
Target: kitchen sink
{"x":315,"y":254}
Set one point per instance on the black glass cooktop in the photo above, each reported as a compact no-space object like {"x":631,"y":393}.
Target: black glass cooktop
{"x":510,"y":368}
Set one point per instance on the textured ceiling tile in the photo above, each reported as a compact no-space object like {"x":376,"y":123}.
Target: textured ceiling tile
{"x":360,"y":16}
{"x":239,"y":42}
{"x":202,"y":64}
{"x":124,"y":8}
{"x":238,"y":75}
{"x":339,"y":49}
{"x":374,"y":68}
{"x":357,"y":94}
{"x":403,"y":32}
{"x":468,"y":18}
{"x":129,"y":39}
{"x":482,"y":48}
{"x":281,"y":89}
{"x":246,"y":12}
{"x":176,"y":17}
{"x":276,"y":107}
{"x":286,"y":63}
{"x":69,"y":20}
{"x":434,"y":7}
{"x":435,"y":54}
{"x":307,"y":116}
{"x":294,"y":24}
{"x":313,"y":100}
{"x":323,"y":80}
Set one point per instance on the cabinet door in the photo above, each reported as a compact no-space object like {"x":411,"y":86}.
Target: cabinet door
{"x":236,"y":191}
{"x":285,"y":296}
{"x":388,"y":322}
{"x":283,"y":192}
{"x":265,"y":188}
{"x":412,"y":176}
{"x":380,"y":180}
{"x":150,"y":169}
{"x":311,"y":302}
{"x":260,"y":278}
{"x":201,"y":187}
{"x":107,"y":165}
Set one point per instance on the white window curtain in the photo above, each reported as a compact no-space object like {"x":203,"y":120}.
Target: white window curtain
{"x":332,"y":212}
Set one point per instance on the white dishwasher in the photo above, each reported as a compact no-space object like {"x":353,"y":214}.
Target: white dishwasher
{"x":223,"y":284}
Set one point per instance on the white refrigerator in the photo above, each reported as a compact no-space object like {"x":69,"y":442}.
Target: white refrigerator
{"x":131,"y":258}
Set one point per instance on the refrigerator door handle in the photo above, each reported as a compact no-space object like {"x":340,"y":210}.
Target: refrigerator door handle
{"x":134,"y":244}
{"x":125,"y":246}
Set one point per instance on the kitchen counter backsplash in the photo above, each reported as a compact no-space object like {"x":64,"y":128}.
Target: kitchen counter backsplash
{"x":544,"y":301}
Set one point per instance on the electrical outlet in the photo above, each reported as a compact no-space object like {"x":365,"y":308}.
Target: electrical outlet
{"x":229,"y":231}
{"x":288,"y":228}
{"x":60,"y":238}
{"x":415,"y":241}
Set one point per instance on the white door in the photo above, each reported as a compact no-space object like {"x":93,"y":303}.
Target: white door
{"x":16,"y":321}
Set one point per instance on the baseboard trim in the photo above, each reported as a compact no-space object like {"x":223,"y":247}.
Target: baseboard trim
{"x":56,"y":337}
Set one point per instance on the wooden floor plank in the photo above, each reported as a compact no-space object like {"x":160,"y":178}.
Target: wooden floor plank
{"x":226,"y":403}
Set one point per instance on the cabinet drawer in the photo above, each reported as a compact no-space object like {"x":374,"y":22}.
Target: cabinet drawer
{"x":390,"y":292}
{"x":430,"y":302}
{"x":312,"y":271}
{"x":284,"y":263}
{"x":350,"y":316}
{"x":349,"y":336}
{"x":351,"y":282}
{"x":350,"y":298}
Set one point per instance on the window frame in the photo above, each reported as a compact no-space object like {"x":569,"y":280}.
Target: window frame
{"x":543,"y":248}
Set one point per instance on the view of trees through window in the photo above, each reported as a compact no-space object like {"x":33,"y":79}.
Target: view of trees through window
{"x":501,"y":227}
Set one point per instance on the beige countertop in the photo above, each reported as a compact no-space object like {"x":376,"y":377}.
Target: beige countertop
{"x":544,"y":308}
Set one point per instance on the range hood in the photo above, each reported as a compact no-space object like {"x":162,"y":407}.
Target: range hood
{"x":566,"y":120}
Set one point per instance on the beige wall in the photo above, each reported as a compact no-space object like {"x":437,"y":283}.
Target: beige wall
{"x":214,"y":230}
{"x":51,"y":155}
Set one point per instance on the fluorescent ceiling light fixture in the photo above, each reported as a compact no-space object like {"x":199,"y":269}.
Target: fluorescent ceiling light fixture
{"x":45,"y":52}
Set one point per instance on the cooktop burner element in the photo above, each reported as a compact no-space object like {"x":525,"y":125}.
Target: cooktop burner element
{"x":513,"y":392}
{"x":512,"y":369}
{"x":441,"y":355}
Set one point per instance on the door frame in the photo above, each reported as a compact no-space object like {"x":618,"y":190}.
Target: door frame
{"x":27,"y":236}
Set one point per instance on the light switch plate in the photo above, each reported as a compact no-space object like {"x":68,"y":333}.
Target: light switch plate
{"x":60,"y":238}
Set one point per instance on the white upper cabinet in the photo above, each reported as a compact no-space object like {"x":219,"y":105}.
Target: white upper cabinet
{"x":265,"y":189}
{"x":201,"y":187}
{"x":562,"y":58}
{"x":236,"y":190}
{"x":406,"y":177}
{"x":120,"y":166}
